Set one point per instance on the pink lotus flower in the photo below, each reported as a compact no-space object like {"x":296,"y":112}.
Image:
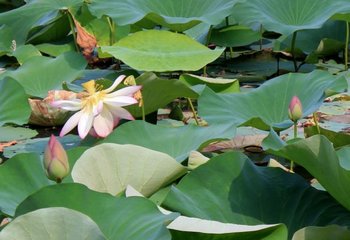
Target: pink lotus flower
{"x":295,"y":110}
{"x":56,"y":162}
{"x":98,"y":111}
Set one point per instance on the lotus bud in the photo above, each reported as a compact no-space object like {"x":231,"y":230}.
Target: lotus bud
{"x":55,"y":160}
{"x":295,"y":110}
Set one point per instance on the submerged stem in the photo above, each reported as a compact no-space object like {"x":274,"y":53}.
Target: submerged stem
{"x":193,"y":111}
{"x":293,"y":51}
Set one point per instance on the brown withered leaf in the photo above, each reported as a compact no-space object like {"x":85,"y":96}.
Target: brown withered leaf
{"x":86,"y":41}
{"x":6,"y":144}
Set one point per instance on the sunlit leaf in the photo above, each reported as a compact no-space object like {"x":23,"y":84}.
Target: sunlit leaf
{"x":162,"y":51}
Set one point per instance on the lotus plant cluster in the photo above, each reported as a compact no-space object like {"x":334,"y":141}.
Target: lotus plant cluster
{"x":98,"y":110}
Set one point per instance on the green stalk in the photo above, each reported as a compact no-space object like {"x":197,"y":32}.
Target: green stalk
{"x":111,"y":31}
{"x":293,"y":51}
{"x":206,"y":44}
{"x":295,"y":136}
{"x":72,"y":27}
{"x":261,"y":38}
{"x":231,"y":49}
{"x":193,"y":111}
{"x":346,"y":50}
{"x":143,"y":111}
{"x":316,"y":123}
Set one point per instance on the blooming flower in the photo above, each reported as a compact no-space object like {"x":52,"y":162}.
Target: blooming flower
{"x":98,"y":111}
{"x":56,"y":162}
{"x":295,"y":110}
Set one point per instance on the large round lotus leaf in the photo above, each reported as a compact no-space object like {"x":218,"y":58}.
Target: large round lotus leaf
{"x":110,"y":167}
{"x":162,"y":51}
{"x":40,"y":74}
{"x":268,"y":105}
{"x":118,"y":218}
{"x":20,"y":176}
{"x":158,"y":92}
{"x":322,"y":233}
{"x":178,"y":142}
{"x":230,"y":188}
{"x":195,"y":228}
{"x":287,"y":16}
{"x":317,"y":155}
{"x":177,"y":15}
{"x":31,"y":14}
{"x":52,"y":224}
{"x":13,"y":98}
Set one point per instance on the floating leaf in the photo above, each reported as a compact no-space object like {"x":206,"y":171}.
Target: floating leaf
{"x":13,"y":98}
{"x":118,"y":218}
{"x":230,"y":188}
{"x":43,"y":224}
{"x":177,"y":142}
{"x":177,"y":15}
{"x":9,"y":133}
{"x":41,"y":74}
{"x":268,"y":105}
{"x":144,"y":169}
{"x":162,"y":51}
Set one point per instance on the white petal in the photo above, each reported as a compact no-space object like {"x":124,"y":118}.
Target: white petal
{"x":115,"y":84}
{"x":70,"y":105}
{"x":119,"y":112}
{"x":103,"y":123}
{"x":97,"y":109}
{"x":71,"y":123}
{"x":127,"y":91}
{"x":120,"y":101}
{"x":85,"y":124}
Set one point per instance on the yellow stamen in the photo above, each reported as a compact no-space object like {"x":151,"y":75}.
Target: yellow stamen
{"x":90,"y":86}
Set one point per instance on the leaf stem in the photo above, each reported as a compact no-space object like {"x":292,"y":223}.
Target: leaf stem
{"x":295,"y":136}
{"x":346,"y":50}
{"x":193,"y":111}
{"x":72,"y":27}
{"x":293,"y":51}
{"x":111,"y":31}
{"x":206,"y":44}
{"x":316,"y":123}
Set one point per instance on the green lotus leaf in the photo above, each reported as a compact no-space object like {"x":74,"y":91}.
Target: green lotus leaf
{"x":177,"y":142}
{"x":234,"y":36}
{"x":220,"y":85}
{"x":117,"y":217}
{"x":288,"y":16}
{"x":12,"y":98}
{"x":162,"y":51}
{"x":33,"y":13}
{"x":322,"y":233}
{"x":195,"y":228}
{"x":268,"y":105}
{"x":40,"y":74}
{"x":9,"y":133}
{"x":158,"y":92}
{"x":229,"y":188}
{"x":177,"y":15}
{"x":144,"y":169}
{"x":317,"y":155}
{"x":50,"y":224}
{"x":338,"y":139}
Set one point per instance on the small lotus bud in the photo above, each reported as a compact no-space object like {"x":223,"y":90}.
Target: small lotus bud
{"x":55,"y":160}
{"x":295,"y":110}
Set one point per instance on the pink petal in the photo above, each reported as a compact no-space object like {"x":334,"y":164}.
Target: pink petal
{"x":119,"y":112}
{"x":85,"y":124}
{"x":103,"y":123}
{"x":115,"y":84}
{"x":71,"y":123}
{"x":120,"y":101}
{"x":70,"y":105}
{"x":127,"y":91}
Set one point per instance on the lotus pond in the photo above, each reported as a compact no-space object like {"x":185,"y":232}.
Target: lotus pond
{"x":174,"y":119}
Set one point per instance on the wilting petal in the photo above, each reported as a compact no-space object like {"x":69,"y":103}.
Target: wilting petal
{"x":71,"y":123}
{"x":119,"y":112}
{"x":103,"y":123}
{"x":120,"y":101}
{"x":115,"y":84}
{"x":69,"y":105}
{"x":127,"y":91}
{"x":85,"y":124}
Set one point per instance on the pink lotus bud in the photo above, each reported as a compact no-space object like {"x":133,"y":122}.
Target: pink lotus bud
{"x":295,"y":110}
{"x":55,"y":160}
